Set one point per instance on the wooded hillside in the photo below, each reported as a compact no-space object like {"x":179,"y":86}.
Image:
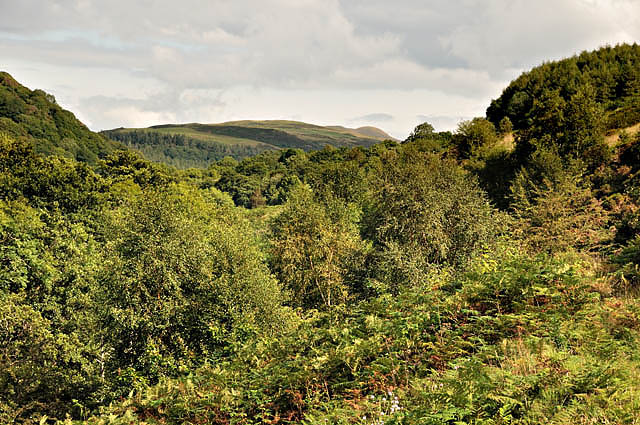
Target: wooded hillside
{"x":484,"y":276}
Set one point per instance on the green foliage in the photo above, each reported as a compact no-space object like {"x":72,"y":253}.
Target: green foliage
{"x":428,"y":139}
{"x":422,"y":131}
{"x":557,"y":209}
{"x":33,"y":371}
{"x":568,"y":105}
{"x":514,"y":340}
{"x":574,"y":128}
{"x":629,"y":151}
{"x":50,"y":182}
{"x":612,"y":72}
{"x":122,"y":165}
{"x":629,"y":260}
{"x":46,"y":276}
{"x":473,"y":135}
{"x":344,"y":285}
{"x":495,"y":167}
{"x":200,"y":145}
{"x":242,"y":188}
{"x":35,"y":117}
{"x":430,"y":207}
{"x":505,"y":126}
{"x":316,"y":248}
{"x":180,"y":150}
{"x":182,"y":278}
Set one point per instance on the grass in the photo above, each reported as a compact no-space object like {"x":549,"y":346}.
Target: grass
{"x":275,"y":134}
{"x":613,"y":136}
{"x":198,"y":135}
{"x":308,"y":132}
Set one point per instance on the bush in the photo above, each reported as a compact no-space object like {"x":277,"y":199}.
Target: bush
{"x":183,"y":278}
{"x":316,"y":248}
{"x":428,"y":206}
{"x":557,"y":209}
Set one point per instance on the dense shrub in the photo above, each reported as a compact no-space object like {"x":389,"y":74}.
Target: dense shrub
{"x":429,"y":206}
{"x":183,"y":277}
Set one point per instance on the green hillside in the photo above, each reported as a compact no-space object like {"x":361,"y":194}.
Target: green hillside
{"x":366,"y":131}
{"x":35,"y":116}
{"x":198,"y":145}
{"x":487,"y":276}
{"x":610,"y":75}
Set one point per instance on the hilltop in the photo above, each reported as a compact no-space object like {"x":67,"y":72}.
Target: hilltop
{"x":35,"y":116}
{"x":610,"y":76}
{"x":198,"y":145}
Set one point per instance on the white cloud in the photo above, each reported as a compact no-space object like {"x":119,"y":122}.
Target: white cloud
{"x":141,"y":63}
{"x":376,"y":117}
{"x":523,"y":33}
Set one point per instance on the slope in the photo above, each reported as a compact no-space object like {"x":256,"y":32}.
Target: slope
{"x":35,"y":116}
{"x":197,"y":145}
{"x":611,"y":76}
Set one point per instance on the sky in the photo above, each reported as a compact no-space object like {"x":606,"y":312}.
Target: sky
{"x":389,"y":64}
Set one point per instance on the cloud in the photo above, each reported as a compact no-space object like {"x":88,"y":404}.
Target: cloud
{"x":443,"y":122}
{"x":497,"y":35}
{"x":164,"y":107}
{"x":520,"y":33}
{"x":198,"y":44}
{"x":146,"y":62}
{"x":373,"y":118}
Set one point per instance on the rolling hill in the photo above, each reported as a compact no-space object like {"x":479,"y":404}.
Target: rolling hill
{"x":197,"y":145}
{"x":35,"y":116}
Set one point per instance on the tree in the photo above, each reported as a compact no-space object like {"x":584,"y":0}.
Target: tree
{"x":422,"y":131}
{"x":183,"y":278}
{"x":47,"y":348}
{"x":584,"y":130}
{"x":505,"y":126}
{"x":472,"y":135}
{"x":555,"y":206}
{"x":33,"y":374}
{"x":429,"y":206}
{"x":314,"y":248}
{"x":574,"y":128}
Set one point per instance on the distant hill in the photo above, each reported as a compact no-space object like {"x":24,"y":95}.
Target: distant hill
{"x":197,"y":145}
{"x":610,"y":76}
{"x":35,"y":116}
{"x":366,"y":131}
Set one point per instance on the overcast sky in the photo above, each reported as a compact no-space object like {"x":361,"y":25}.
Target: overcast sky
{"x":387,"y":63}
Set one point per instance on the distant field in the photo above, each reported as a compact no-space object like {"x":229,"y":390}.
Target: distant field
{"x":198,"y":145}
{"x":199,"y":135}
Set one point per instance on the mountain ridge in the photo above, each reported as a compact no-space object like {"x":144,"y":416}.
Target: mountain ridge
{"x":34,"y":115}
{"x":198,"y":145}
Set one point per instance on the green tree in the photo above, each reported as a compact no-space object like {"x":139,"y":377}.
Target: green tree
{"x":505,"y":126}
{"x":472,"y":135}
{"x":573,"y":128}
{"x":556,"y":208}
{"x":422,"y":131}
{"x":429,"y":206}
{"x":34,"y":374}
{"x":584,"y":130}
{"x":183,"y":277}
{"x":47,"y":348}
{"x":315,"y":249}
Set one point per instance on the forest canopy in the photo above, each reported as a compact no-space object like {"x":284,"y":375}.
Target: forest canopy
{"x":487,"y":275}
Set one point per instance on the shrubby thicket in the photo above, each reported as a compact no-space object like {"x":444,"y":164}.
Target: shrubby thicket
{"x":485,"y":276}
